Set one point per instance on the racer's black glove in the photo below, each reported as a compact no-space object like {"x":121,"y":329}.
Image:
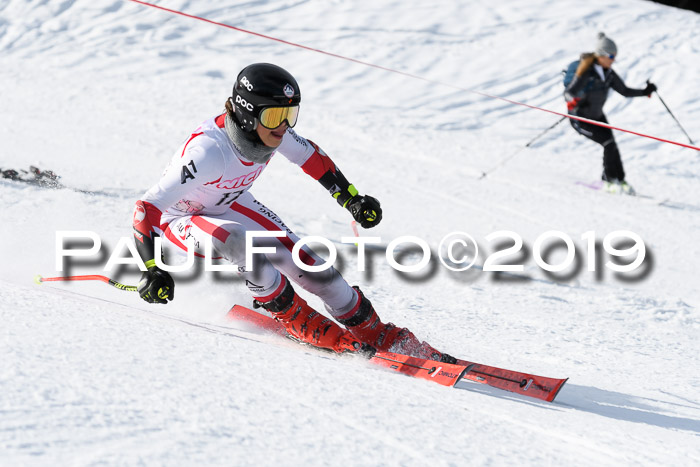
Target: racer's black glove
{"x":365,"y":210}
{"x":156,"y":286}
{"x":651,"y":87}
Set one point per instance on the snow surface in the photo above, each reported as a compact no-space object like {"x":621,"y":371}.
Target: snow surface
{"x":102,"y":92}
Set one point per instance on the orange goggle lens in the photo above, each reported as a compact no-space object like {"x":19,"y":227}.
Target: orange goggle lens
{"x":272,"y":117}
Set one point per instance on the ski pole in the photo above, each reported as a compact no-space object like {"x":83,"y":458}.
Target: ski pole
{"x":545,"y":131}
{"x":502,"y":163}
{"x":673,"y":116}
{"x":129,"y":288}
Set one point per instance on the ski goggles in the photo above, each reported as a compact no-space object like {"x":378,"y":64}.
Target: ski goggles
{"x":272,"y":117}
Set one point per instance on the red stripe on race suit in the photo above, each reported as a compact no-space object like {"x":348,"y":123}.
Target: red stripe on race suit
{"x":194,"y":135}
{"x":177,"y":241}
{"x":146,"y":216}
{"x":274,"y":294}
{"x":220,"y":121}
{"x":212,"y":229}
{"x":318,"y":164}
{"x":267,"y":224}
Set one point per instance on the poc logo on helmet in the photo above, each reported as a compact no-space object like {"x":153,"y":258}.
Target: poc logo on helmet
{"x":244,"y":103}
{"x":247,"y":84}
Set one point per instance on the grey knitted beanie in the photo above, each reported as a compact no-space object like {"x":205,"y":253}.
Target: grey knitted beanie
{"x":605,"y":46}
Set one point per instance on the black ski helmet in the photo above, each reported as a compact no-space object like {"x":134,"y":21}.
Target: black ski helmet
{"x":262,"y":85}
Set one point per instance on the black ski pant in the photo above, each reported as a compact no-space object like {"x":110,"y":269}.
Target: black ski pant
{"x":612,"y":163}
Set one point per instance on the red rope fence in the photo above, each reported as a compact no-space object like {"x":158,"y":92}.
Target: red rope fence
{"x":293,"y":44}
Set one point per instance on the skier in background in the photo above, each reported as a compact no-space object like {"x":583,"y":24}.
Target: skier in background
{"x":203,"y":195}
{"x":587,"y":84}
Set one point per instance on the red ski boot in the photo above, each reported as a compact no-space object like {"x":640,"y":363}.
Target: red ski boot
{"x":306,"y":324}
{"x":366,"y":326}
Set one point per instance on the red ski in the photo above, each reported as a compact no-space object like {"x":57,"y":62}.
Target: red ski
{"x":539,"y":387}
{"x":446,"y":374}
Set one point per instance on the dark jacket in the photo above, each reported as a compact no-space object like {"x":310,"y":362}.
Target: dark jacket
{"x":594,"y":91}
